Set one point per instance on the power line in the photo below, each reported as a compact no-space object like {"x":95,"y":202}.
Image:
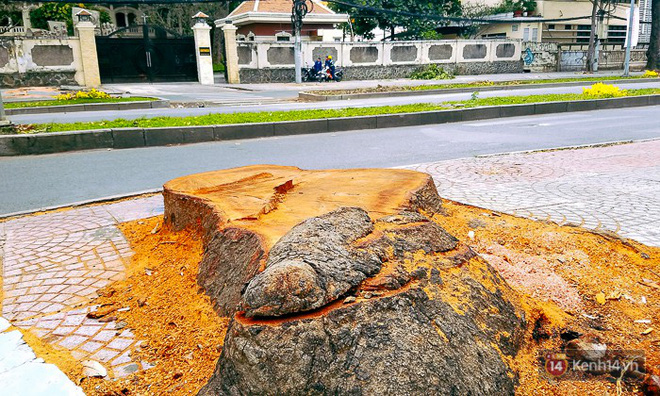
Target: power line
{"x":448,"y":18}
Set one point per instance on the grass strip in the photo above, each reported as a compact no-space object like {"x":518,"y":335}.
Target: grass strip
{"x":54,"y":102}
{"x":296,"y":115}
{"x":477,"y":84}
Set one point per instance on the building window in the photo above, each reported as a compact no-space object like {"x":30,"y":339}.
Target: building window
{"x":494,"y":35}
{"x":616,"y":34}
{"x":551,"y":26}
{"x":568,"y":27}
{"x":125,"y":18}
{"x":283,"y":36}
{"x":514,"y":27}
{"x":535,"y":34}
{"x":526,"y":34}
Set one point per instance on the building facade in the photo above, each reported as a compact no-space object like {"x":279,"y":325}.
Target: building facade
{"x":533,"y":27}
{"x":270,"y":20}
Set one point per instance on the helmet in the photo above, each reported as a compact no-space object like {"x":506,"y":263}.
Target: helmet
{"x":329,"y":56}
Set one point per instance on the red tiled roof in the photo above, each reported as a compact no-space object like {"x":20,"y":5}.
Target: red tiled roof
{"x":275,"y":6}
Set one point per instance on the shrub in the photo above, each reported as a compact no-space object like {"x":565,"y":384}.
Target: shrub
{"x":432,"y":72}
{"x":650,"y":73}
{"x":600,"y":90}
{"x":91,"y":94}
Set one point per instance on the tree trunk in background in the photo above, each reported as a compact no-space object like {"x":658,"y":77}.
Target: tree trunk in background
{"x":653,"y":54}
{"x":592,"y":37}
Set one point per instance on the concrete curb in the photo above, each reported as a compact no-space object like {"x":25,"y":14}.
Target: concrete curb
{"x":47,"y":143}
{"x":7,"y":216}
{"x":137,"y":105}
{"x":312,"y":97}
{"x":574,"y":147}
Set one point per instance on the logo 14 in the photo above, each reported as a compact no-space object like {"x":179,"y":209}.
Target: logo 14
{"x":556,"y":364}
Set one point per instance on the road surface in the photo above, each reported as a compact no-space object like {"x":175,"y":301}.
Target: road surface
{"x":33,"y":182}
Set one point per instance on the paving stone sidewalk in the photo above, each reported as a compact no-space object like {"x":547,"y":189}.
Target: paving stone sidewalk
{"x":614,"y":188}
{"x":54,"y":263}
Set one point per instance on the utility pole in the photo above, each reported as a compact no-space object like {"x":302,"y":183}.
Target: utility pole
{"x":297,"y":14}
{"x":626,"y":63}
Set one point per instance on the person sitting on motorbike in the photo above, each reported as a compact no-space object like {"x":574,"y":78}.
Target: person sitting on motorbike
{"x":318,"y":65}
{"x":330,"y":65}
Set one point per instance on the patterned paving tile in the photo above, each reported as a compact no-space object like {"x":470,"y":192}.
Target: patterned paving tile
{"x":615,"y":188}
{"x":52,"y":266}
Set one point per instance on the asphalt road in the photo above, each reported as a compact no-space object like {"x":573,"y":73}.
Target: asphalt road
{"x":258,"y":106}
{"x":33,"y":182}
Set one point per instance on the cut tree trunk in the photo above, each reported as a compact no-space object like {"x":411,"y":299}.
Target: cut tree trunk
{"x":345,"y":282}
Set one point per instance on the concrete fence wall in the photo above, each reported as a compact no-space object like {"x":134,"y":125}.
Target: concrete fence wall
{"x":549,"y":57}
{"x":274,"y":61}
{"x":40,"y":61}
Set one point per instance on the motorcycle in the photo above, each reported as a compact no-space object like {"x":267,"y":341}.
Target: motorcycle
{"x":311,"y":75}
{"x":339,"y":74}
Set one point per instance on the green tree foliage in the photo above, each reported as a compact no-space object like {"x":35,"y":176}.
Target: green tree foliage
{"x":416,"y":27}
{"x":60,"y":12}
{"x":52,"y":12}
{"x":10,"y":15}
{"x":177,"y":17}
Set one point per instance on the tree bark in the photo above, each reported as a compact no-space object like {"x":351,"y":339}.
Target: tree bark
{"x":592,"y":37}
{"x":653,"y":53}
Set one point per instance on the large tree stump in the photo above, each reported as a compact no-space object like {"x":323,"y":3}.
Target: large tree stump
{"x":340,"y":281}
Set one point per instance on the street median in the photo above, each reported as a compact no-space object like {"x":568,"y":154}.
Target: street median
{"x":74,"y":108}
{"x":124,"y":138}
{"x":312,"y":96}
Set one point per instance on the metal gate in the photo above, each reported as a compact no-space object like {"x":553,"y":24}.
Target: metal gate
{"x":145,"y":53}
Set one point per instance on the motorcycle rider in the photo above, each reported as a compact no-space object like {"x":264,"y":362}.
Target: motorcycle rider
{"x":330,"y":65}
{"x":318,"y":65}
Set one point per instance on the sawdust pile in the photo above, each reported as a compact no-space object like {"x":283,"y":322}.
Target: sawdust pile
{"x":564,"y":269}
{"x":182,"y":335}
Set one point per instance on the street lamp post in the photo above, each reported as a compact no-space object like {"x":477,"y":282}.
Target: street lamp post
{"x":297,"y":14}
{"x":626,"y":62}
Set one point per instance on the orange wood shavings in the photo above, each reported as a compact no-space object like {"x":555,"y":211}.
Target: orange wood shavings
{"x":181,"y":333}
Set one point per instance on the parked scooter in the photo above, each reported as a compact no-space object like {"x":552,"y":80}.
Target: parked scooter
{"x":339,"y":74}
{"x":311,"y":75}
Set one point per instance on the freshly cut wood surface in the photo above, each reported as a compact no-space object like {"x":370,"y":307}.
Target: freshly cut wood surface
{"x":270,"y":199}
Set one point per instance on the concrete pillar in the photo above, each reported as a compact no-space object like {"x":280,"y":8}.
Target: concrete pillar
{"x":231,"y":54}
{"x":202,"y":32}
{"x":89,"y":57}
{"x":25,"y":13}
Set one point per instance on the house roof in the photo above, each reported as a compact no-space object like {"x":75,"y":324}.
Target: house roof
{"x":276,"y":6}
{"x":278,"y":11}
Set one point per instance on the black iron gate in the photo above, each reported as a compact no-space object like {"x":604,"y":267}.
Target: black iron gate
{"x":145,"y":53}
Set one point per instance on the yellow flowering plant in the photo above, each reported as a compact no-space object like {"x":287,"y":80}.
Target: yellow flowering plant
{"x":91,"y":94}
{"x":650,"y":73}
{"x":600,"y":90}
